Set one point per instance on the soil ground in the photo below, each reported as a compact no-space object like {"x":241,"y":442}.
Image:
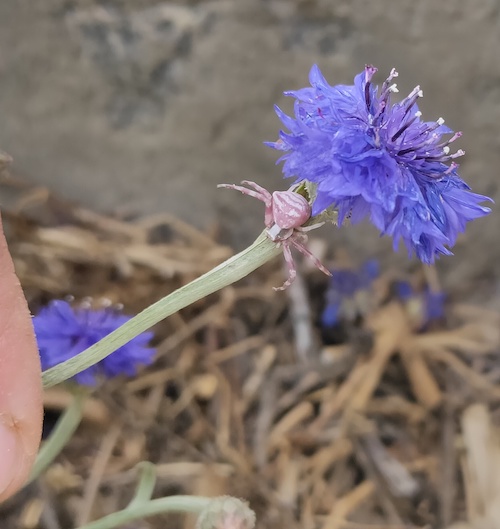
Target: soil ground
{"x":383,"y":419}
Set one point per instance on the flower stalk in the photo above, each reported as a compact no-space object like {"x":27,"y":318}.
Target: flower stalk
{"x":64,"y":429}
{"x":230,"y":271}
{"x":224,"y":512}
{"x":187,"y":504}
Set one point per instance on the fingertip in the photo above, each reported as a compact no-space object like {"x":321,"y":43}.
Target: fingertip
{"x":21,"y":409}
{"x":13,"y":461}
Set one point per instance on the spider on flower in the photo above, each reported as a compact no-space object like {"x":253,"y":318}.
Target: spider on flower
{"x":285,"y":215}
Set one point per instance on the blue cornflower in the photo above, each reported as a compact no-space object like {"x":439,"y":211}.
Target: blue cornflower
{"x":62,"y":332}
{"x":345,"y":297}
{"x":369,"y":157}
{"x":424,"y":307}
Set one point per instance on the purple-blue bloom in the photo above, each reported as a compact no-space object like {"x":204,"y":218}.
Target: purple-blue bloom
{"x":372,"y":158}
{"x":63,"y":332}
{"x":344,"y":289}
{"x":428,"y":305}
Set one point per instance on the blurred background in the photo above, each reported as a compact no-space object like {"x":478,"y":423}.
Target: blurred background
{"x":143,"y":106}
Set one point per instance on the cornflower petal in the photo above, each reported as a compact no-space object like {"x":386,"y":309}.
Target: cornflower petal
{"x":62,"y":332}
{"x":370,"y":158}
{"x":344,"y":297}
{"x":425,"y":306}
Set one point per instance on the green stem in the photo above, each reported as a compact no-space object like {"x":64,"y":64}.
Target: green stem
{"x":64,"y":429}
{"x":190,"y":504}
{"x":230,"y":271}
{"x":146,"y":485}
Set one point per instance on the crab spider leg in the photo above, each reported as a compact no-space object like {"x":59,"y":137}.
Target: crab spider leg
{"x":309,"y":228}
{"x":292,"y":271}
{"x":303,"y":250}
{"x":268,"y":216}
{"x":257,"y":187}
{"x":266,"y":198}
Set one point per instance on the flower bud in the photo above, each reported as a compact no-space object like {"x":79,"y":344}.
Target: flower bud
{"x":226,"y":512}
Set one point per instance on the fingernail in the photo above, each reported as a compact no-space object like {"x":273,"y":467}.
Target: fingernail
{"x":9,"y":455}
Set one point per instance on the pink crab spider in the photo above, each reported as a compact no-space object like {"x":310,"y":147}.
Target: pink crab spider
{"x":286,"y":212}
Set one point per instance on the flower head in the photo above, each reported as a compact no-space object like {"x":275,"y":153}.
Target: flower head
{"x":226,"y":512}
{"x":369,"y":157}
{"x":348,"y":293}
{"x":63,"y":332}
{"x":423,"y":307}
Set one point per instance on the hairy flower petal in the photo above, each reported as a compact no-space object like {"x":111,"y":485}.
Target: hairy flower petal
{"x":62,"y":332}
{"x":370,"y":158}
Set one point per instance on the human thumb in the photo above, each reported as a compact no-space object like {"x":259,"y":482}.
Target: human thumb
{"x":20,"y":381}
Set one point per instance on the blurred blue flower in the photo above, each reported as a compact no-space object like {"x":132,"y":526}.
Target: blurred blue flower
{"x":344,"y":299}
{"x":372,"y":158}
{"x":62,"y":332}
{"x":425,"y":307}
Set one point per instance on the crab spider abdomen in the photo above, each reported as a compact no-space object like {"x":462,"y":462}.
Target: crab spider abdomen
{"x":290,"y":210}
